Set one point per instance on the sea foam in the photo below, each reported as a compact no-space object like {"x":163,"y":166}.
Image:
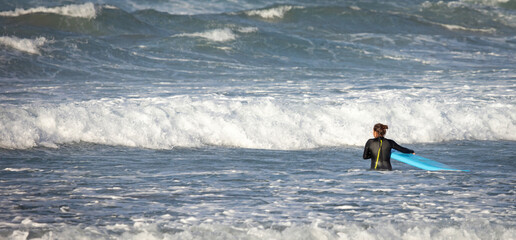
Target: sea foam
{"x":219,"y":34}
{"x":271,"y":13}
{"x":25,"y":45}
{"x":86,"y":10}
{"x":348,"y":230}
{"x":165,"y":123}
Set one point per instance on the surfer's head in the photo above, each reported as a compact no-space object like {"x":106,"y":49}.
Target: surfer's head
{"x":379,"y":130}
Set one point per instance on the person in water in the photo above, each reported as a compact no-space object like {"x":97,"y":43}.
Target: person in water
{"x":378,"y":149}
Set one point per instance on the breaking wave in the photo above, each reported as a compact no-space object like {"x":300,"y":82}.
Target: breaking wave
{"x":316,"y":230}
{"x":25,"y":45}
{"x":165,"y":123}
{"x":271,"y":13}
{"x":219,"y":35}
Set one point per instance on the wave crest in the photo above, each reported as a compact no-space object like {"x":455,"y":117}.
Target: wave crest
{"x":220,"y":34}
{"x":217,"y":35}
{"x":86,"y":10}
{"x":271,"y":13}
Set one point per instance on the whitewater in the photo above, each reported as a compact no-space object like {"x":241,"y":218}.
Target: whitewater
{"x":239,"y":119}
{"x":165,"y":123}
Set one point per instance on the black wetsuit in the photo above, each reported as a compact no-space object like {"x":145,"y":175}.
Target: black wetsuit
{"x":384,"y":160}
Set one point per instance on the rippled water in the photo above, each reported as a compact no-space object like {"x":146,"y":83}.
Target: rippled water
{"x":221,"y":192}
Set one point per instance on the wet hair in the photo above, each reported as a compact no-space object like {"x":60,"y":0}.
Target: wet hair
{"x":380,"y":129}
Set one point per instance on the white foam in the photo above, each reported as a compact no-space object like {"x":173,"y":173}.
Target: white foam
{"x":461,"y":28}
{"x":86,"y":10}
{"x":462,"y":3}
{"x":271,"y":13}
{"x":317,"y":230}
{"x":19,"y":235}
{"x":19,"y":169}
{"x":164,"y":123}
{"x":248,"y":29}
{"x":486,"y":2}
{"x":217,"y":35}
{"x":492,"y":12}
{"x":29,"y":223}
{"x":193,"y":7}
{"x":22,"y":44}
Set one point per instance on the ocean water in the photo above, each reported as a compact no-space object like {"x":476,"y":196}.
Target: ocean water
{"x":239,"y":119}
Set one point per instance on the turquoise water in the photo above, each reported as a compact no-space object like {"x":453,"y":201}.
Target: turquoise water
{"x":136,"y":119}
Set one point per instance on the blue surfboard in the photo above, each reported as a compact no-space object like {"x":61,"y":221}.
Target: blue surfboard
{"x":421,"y":162}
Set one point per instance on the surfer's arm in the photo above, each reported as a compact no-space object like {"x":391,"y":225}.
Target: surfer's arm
{"x":400,"y":148}
{"x":367,"y":152}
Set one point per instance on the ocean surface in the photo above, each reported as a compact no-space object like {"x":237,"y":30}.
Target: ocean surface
{"x":244,"y":119}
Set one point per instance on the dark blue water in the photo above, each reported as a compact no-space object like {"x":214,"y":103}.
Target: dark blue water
{"x":137,"y":119}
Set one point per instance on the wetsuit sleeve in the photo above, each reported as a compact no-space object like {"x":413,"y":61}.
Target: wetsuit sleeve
{"x":400,"y":148}
{"x":367,"y":151}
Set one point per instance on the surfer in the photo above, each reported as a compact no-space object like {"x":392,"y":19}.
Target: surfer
{"x":378,"y":149}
